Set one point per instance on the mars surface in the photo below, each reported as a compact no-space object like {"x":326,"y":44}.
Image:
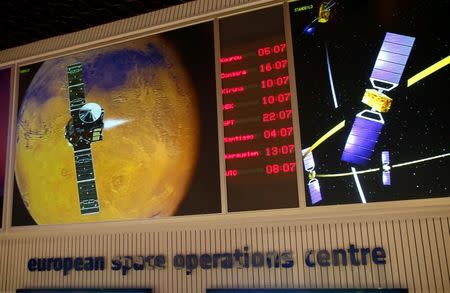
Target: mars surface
{"x":144,"y":164}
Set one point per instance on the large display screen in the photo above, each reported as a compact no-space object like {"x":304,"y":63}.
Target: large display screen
{"x":5,"y":76}
{"x":258,"y":130}
{"x":127,"y":131}
{"x":372,"y":86}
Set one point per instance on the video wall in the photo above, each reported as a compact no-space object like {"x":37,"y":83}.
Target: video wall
{"x":372,"y":83}
{"x":129,"y":131}
{"x":5,"y":80}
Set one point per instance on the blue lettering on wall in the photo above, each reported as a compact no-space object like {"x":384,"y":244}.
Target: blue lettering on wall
{"x":357,"y":256}
{"x":66,"y":264}
{"x":189,"y":262}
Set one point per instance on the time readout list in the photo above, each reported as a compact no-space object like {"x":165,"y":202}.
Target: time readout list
{"x":257,"y":114}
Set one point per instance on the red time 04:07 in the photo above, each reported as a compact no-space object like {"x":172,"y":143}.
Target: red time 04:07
{"x":278,"y":132}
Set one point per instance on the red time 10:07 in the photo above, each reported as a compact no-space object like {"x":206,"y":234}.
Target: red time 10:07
{"x":277,"y":81}
{"x":274,"y":99}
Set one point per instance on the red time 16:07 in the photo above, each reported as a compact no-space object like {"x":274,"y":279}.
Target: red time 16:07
{"x":277,"y":65}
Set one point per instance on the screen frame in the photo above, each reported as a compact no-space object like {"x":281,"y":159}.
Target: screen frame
{"x":405,"y":208}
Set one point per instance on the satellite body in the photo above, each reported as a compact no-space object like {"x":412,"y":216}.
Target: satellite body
{"x":386,"y":75}
{"x":84,"y":127}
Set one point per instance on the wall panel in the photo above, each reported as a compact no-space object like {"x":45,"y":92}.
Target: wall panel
{"x":145,"y":23}
{"x":417,"y":256}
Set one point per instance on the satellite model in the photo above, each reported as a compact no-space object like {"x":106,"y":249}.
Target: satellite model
{"x":385,"y":160}
{"x":323,"y":16}
{"x":324,"y":11}
{"x":386,"y":74}
{"x":313,"y":184}
{"x":84,"y":128}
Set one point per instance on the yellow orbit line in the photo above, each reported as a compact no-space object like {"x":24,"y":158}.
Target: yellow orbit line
{"x":347,"y":174}
{"x":339,"y":127}
{"x":325,"y":137}
{"x":429,"y":70}
{"x":378,"y":169}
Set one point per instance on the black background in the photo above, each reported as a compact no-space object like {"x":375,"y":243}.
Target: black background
{"x":417,"y":126}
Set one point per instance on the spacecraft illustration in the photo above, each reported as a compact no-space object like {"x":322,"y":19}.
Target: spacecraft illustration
{"x":386,"y":177}
{"x":324,"y":11}
{"x":386,"y":75}
{"x":368,"y":124}
{"x":84,"y":127}
{"x":313,"y":183}
{"x":322,"y":17}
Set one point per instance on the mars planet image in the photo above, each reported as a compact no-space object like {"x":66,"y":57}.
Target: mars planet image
{"x":144,"y":164}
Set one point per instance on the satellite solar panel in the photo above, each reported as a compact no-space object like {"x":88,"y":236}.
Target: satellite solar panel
{"x":86,"y":181}
{"x":314,"y":191}
{"x":399,"y":39}
{"x":385,"y":160}
{"x":386,"y":178}
{"x":75,"y":86}
{"x":308,"y":161}
{"x":391,"y":60}
{"x":396,"y":48}
{"x":389,"y":66}
{"x":362,"y":138}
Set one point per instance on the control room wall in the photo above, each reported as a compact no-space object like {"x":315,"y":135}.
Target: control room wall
{"x":415,"y":235}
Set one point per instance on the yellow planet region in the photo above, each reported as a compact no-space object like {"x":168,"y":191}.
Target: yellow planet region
{"x":143,"y":167}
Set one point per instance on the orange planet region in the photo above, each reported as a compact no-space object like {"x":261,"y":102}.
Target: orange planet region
{"x":143,"y":166}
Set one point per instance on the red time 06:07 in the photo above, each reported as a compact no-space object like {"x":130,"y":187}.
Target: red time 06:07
{"x":275,"y":49}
